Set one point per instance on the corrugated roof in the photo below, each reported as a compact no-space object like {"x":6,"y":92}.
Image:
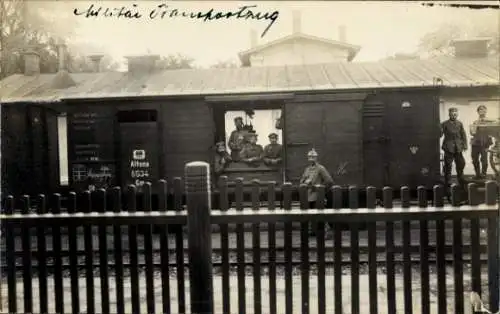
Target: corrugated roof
{"x":389,"y":73}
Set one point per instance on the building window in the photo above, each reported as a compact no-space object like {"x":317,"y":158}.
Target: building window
{"x":62,"y":146}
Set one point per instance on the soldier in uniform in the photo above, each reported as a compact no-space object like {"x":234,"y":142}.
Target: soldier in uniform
{"x":252,"y":153}
{"x":315,"y":174}
{"x":273,"y":151}
{"x":237,"y":139}
{"x":454,"y":143}
{"x":222,"y":158}
{"x":480,"y":144}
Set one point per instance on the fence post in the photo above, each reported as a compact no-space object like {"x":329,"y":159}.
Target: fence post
{"x":491,"y":198}
{"x":198,"y":203}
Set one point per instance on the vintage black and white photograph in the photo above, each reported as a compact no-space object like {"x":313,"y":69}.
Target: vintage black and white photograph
{"x":255,"y":157}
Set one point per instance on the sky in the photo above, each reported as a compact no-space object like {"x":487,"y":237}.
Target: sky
{"x":380,"y":28}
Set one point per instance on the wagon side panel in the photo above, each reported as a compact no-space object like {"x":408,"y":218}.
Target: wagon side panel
{"x":303,"y":131}
{"x":331,"y":125}
{"x":414,"y":134}
{"x":188,"y":135}
{"x":343,"y":155}
{"x":15,"y":145}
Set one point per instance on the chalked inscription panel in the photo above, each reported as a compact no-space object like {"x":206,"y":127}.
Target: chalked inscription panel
{"x":91,"y":148}
{"x":91,"y":135}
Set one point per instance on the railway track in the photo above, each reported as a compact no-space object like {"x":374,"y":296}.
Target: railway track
{"x":247,"y":250}
{"x":248,"y":260}
{"x":264,"y":263}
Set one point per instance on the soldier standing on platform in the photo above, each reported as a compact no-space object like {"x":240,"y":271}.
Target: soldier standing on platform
{"x":315,"y":174}
{"x":273,"y":151}
{"x":480,"y":144}
{"x":237,"y":139}
{"x":252,"y":152}
{"x":454,"y":143}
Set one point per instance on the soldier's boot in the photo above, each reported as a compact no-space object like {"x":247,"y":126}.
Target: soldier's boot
{"x":447,"y":187}
{"x":446,"y":182}
{"x":484,"y":170}
{"x":477,"y":171}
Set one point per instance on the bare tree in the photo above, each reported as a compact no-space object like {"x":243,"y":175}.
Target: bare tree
{"x":38,"y":24}
{"x":438,"y":42}
{"x":225,"y":64}
{"x":81,"y":63}
{"x":175,"y":62}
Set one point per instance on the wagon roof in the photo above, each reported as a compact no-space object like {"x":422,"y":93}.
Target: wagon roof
{"x":453,"y":72}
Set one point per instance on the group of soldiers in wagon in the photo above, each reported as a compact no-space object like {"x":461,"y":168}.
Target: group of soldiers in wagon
{"x":244,"y":148}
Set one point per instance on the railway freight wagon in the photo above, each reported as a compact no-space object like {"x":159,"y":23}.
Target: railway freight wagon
{"x":363,"y":139}
{"x":371,"y":123}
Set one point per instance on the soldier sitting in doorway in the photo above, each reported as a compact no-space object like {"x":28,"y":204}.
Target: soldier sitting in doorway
{"x":237,"y":140}
{"x":273,"y":151}
{"x":252,"y":153}
{"x":222,"y":158}
{"x":480,"y":143}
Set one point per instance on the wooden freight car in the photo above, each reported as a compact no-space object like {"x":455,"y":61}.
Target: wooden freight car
{"x":371,"y":123}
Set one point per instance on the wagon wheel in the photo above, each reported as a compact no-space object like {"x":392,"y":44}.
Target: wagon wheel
{"x":495,"y":161}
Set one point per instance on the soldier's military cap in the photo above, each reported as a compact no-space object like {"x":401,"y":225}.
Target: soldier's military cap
{"x":453,"y":109}
{"x":273,"y":135}
{"x":250,"y":134}
{"x":238,"y":119}
{"x":312,"y":153}
{"x":481,"y":107}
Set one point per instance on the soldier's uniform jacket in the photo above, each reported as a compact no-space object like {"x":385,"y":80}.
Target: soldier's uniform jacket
{"x":479,"y":138}
{"x":237,"y":139}
{"x":221,"y":162}
{"x":315,"y":175}
{"x":455,"y":139}
{"x":273,"y":151}
{"x":252,"y":151}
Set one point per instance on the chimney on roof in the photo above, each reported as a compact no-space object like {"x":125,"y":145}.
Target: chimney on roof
{"x":142,"y":64}
{"x":471,"y":48}
{"x":62,"y":79}
{"x":342,"y":34}
{"x":253,"y":38}
{"x":96,"y":62}
{"x":31,"y":62}
{"x":297,"y":23}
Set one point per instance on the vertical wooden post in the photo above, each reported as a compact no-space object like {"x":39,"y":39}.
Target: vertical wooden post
{"x":198,"y":203}
{"x":491,"y":198}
